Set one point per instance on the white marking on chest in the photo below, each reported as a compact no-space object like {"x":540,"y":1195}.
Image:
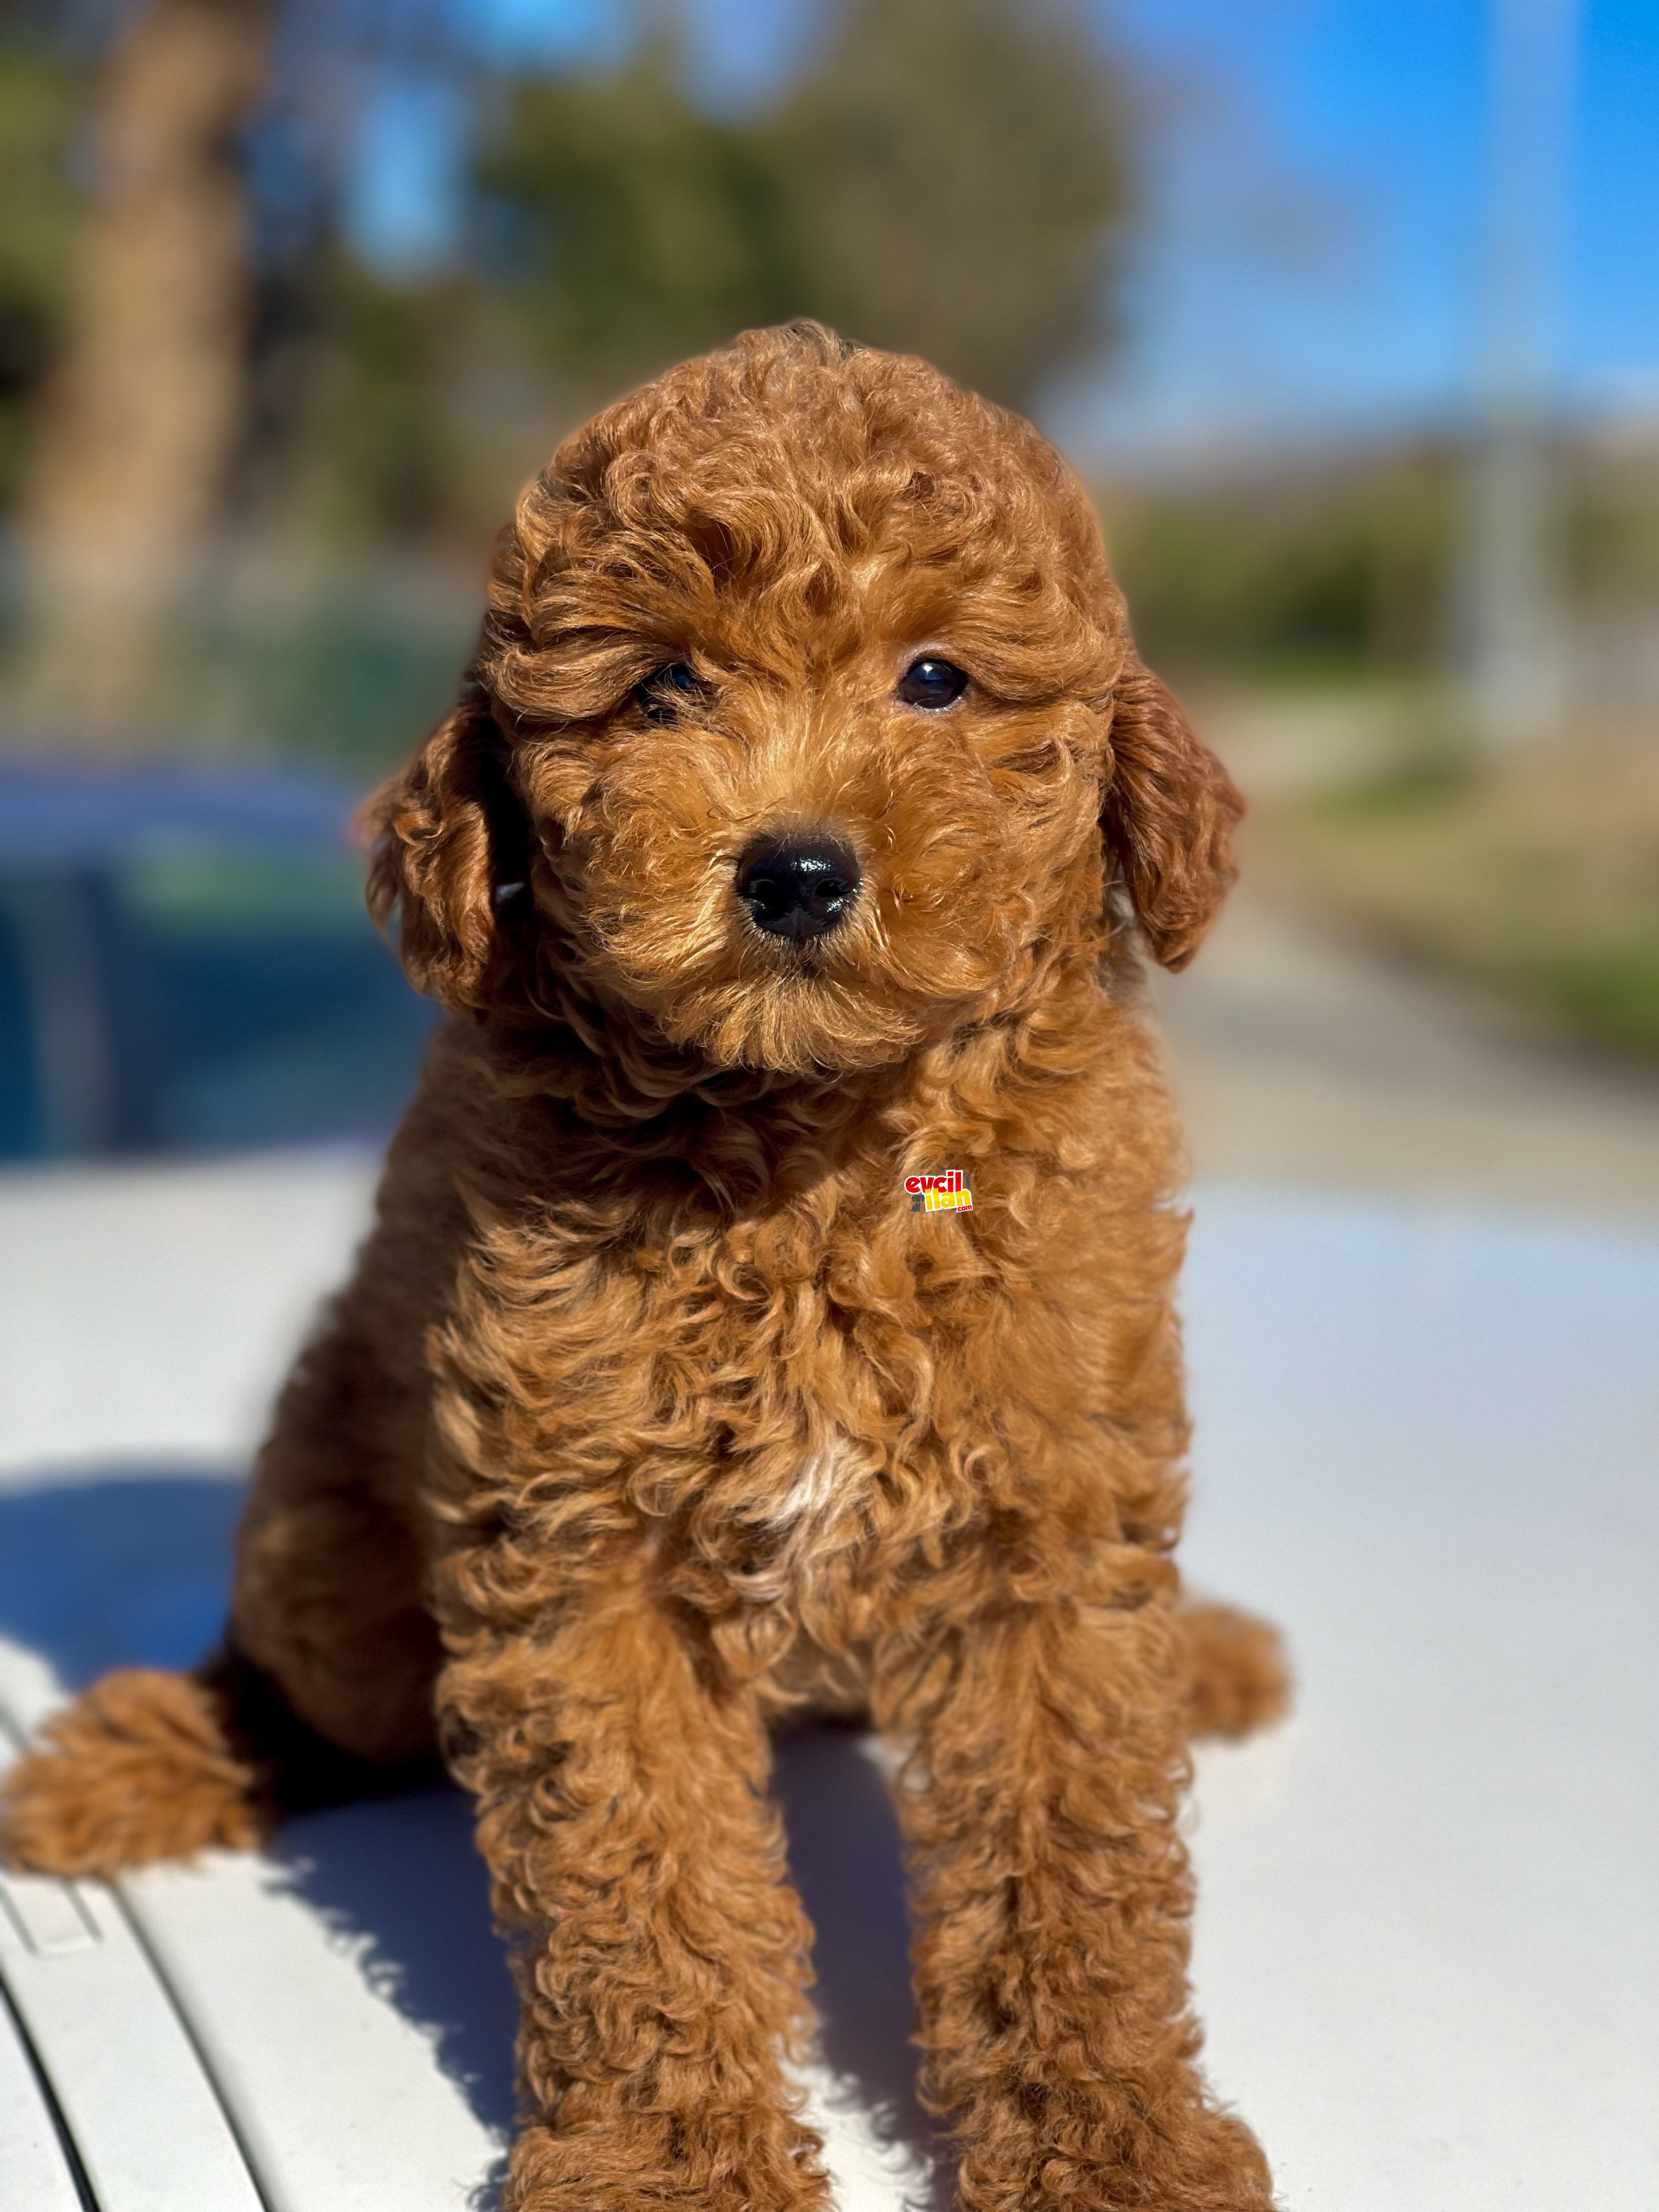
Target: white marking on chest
{"x":812,"y":1492}
{"x":801,"y":1525}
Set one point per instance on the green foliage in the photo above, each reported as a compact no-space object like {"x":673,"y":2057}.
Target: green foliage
{"x":956,"y":172}
{"x":1611,"y":540}
{"x":947,"y":175}
{"x":1536,"y":873}
{"x":1612,"y":993}
{"x":37,"y":234}
{"x":946,"y":180}
{"x":627,"y":228}
{"x":1323,"y":573}
{"x":379,"y":451}
{"x":337,"y":672}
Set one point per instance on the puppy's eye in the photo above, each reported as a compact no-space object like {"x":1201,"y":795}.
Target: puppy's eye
{"x":666,"y":690}
{"x":932,"y":685}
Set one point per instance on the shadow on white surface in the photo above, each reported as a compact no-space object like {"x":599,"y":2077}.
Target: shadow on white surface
{"x":397,"y":1882}
{"x":120,"y":1565}
{"x":844,"y":1854}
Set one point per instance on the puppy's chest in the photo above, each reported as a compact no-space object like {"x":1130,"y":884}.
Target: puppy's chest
{"x":796,"y":1363}
{"x":779,"y":1527}
{"x":760,"y":1390}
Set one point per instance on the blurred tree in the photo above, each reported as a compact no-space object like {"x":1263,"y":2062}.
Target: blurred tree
{"x":629,"y":229}
{"x":1321,"y":570}
{"x":37,"y":238}
{"x":358,"y":433}
{"x":956,"y":172}
{"x":147,"y":395}
{"x":947,"y":177}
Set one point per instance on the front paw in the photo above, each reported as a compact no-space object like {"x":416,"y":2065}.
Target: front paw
{"x":1182,"y":2159}
{"x":707,"y":2162}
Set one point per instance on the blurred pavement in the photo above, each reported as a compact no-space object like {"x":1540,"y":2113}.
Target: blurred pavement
{"x":1301,"y":1056}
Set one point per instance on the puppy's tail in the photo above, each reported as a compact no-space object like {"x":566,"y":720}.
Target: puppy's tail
{"x":1238,"y":1677}
{"x":141,"y":1766}
{"x":146,"y":1765}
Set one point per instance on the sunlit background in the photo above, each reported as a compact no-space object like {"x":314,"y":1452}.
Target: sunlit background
{"x":1348,"y":310}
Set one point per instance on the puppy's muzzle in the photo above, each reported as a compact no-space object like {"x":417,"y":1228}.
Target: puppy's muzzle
{"x":798,"y":888}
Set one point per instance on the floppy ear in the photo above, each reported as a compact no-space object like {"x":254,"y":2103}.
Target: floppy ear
{"x":447,"y":836}
{"x":1169,"y":814}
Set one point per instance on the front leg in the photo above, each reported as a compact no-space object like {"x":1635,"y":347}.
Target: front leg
{"x":637,"y":1867}
{"x":1043,"y":1776}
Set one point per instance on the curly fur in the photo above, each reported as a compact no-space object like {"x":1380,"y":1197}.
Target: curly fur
{"x":652,"y":1414}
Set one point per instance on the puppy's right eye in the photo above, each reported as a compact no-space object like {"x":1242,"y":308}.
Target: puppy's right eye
{"x":666,"y":690}
{"x":932,"y":685}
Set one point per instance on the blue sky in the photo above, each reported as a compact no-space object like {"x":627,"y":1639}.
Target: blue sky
{"x":1320,"y":205}
{"x":1317,"y":196}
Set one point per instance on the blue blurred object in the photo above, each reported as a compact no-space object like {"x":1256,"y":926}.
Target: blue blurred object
{"x":97,"y":816}
{"x":186,"y":965}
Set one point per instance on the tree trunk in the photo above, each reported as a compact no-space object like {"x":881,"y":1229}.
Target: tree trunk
{"x":145,"y":410}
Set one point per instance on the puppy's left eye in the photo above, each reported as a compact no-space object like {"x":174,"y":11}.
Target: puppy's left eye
{"x":932,"y":685}
{"x":666,"y":690}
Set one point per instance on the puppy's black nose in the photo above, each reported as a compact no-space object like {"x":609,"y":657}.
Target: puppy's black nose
{"x":797,"y":887}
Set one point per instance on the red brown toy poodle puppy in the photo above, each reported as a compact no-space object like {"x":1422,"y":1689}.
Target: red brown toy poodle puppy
{"x":768,"y":1310}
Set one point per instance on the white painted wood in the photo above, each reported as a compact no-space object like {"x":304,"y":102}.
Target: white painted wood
{"x":34,"y":2175}
{"x":149,"y":2131}
{"x":1428,"y":1934}
{"x":343,"y":2099}
{"x":149,"y":1311}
